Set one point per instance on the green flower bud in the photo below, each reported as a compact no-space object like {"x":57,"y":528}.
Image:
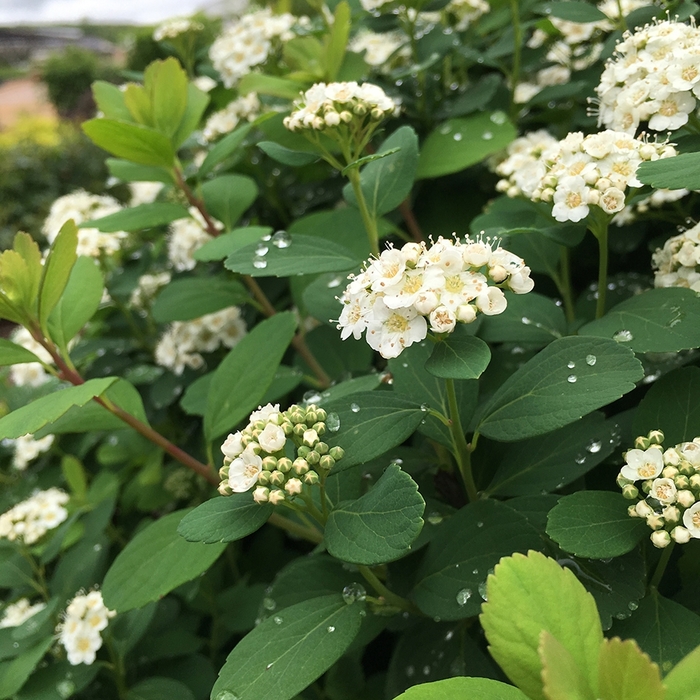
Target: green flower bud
{"x":694,"y":480}
{"x":277,"y":478}
{"x":310,"y":416}
{"x":686,"y":468}
{"x":264,"y":478}
{"x":311,"y":477}
{"x":288,"y":429}
{"x":300,"y":429}
{"x":630,"y":491}
{"x":320,"y":428}
{"x":223,"y":472}
{"x":642,"y":443}
{"x":269,"y":463}
{"x":681,"y":482}
{"x":276,"y":496}
{"x":321,"y":414}
{"x":259,"y":425}
{"x":632,"y":512}
{"x":313,"y":457}
{"x":360,"y":109}
{"x":655,"y":521}
{"x":303,"y":451}
{"x":326,"y":463}
{"x":225,"y":489}
{"x":646,"y":485}
{"x":297,"y":416}
{"x":377,"y":113}
{"x":660,"y":539}
{"x":284,"y":464}
{"x":622,"y":481}
{"x":337,"y":453}
{"x":301,"y":466}
{"x":322,"y":448}
{"x":656,"y":437}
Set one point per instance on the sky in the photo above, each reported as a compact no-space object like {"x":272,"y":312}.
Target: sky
{"x":131,"y":11}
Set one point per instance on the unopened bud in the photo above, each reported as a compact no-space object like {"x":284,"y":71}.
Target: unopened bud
{"x":311,"y":478}
{"x":632,"y":512}
{"x":300,"y":429}
{"x":346,"y":116}
{"x":642,"y":443}
{"x":223,"y":472}
{"x":261,"y":494}
{"x":337,"y":453}
{"x":623,"y":481}
{"x":680,"y":534}
{"x":225,"y":489}
{"x":647,"y":485}
{"x":660,"y":539}
{"x":319,"y":427}
{"x":655,"y":521}
{"x":310,"y":437}
{"x":326,"y":463}
{"x":498,"y":273}
{"x":630,"y":492}
{"x":313,"y":457}
{"x":293,"y":487}
{"x":264,"y":478}
{"x":288,"y":429}
{"x":656,"y":437}
{"x":297,"y":416}
{"x":284,"y":464}
{"x":322,"y":448}
{"x":671,"y":514}
{"x":681,"y":482}
{"x":671,"y":457}
{"x":311,"y":416}
{"x":301,"y":466}
{"x":321,"y":414}
{"x":277,"y":478}
{"x":303,"y":451}
{"x":377,"y":113}
{"x":276,"y":496}
{"x":686,"y":468}
{"x":643,"y":509}
{"x":694,"y":481}
{"x":685,"y":498}
{"x":269,"y":463}
{"x":669,"y":473}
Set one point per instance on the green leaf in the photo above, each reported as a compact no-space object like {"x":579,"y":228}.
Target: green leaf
{"x":224,"y":148}
{"x":458,"y":143}
{"x":664,"y":629}
{"x":364,"y":160}
{"x":572,"y":11}
{"x":227,"y":243}
{"x":561,"y":677}
{"x":47,"y":409}
{"x":568,"y":379}
{"x":627,"y":673}
{"x":134,"y":142}
{"x":228,"y":196}
{"x":380,"y":526}
{"x":79,"y":301}
{"x":270,"y":85}
{"x":197,"y":102}
{"x":132,"y":172}
{"x":671,"y":405}
{"x":12,"y":354}
{"x":554,"y":460}
{"x":658,"y":320}
{"x":14,"y":674}
{"x":185,"y":299}
{"x":371,"y":423}
{"x":466,"y":688}
{"x":459,"y":356}
{"x":679,"y":172}
{"x":74,"y":474}
{"x":594,"y":524}
{"x":109,"y":99}
{"x":224,"y":519}
{"x":57,"y":270}
{"x":529,"y":594}
{"x":287,"y":156}
{"x":278,"y":660}
{"x":683,"y":681}
{"x":242,"y":378}
{"x":387,"y":182}
{"x":155,"y":688}
{"x":154,"y":563}
{"x":166,"y":83}
{"x":337,"y":41}
{"x":304,"y":256}
{"x":139,"y":217}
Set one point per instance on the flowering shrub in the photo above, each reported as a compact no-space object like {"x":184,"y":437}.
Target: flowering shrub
{"x":336,"y":392}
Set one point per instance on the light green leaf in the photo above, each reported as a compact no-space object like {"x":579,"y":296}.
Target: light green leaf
{"x":454,"y":569}
{"x":352,"y":386}
{"x":303,"y":256}
{"x":287,"y":156}
{"x":109,"y":99}
{"x":166,"y":83}
{"x":242,"y":378}
{"x":371,"y":423}
{"x":192,"y":297}
{"x":627,"y":673}
{"x":132,"y":172}
{"x":568,"y":379}
{"x":683,"y":681}
{"x":561,"y":677}
{"x":155,"y":562}
{"x":155,"y":688}
{"x":458,"y":143}
{"x":227,"y":243}
{"x":459,"y":356}
{"x":224,"y":519}
{"x":595,"y":525}
{"x":139,"y":217}
{"x":224,"y":148}
{"x":466,"y":688}
{"x":529,"y":594}
{"x":679,"y":172}
{"x":12,"y":354}
{"x":572,"y":11}
{"x":49,"y":408}
{"x":337,"y":41}
{"x":197,"y":102}
{"x":380,"y":526}
{"x":134,"y":142}
{"x":74,"y":474}
{"x":14,"y":674}
{"x":278,"y":660}
{"x":228,"y":196}
{"x":270,"y":85}
{"x":658,"y":320}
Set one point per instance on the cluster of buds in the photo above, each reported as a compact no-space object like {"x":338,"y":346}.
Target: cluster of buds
{"x":669,"y":500}
{"x":677,"y":264}
{"x":278,"y":453}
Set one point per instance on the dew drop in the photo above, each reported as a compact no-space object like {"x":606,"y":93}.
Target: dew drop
{"x":580,"y":459}
{"x":482,"y":590}
{"x":259,"y":263}
{"x":525,"y":321}
{"x":97,"y":547}
{"x":281,"y":239}
{"x":463,"y":596}
{"x":498,"y":117}
{"x":623,"y":336}
{"x":424,"y":407}
{"x":266,"y":237}
{"x":426,"y":670}
{"x":261,"y":250}
{"x":445,"y":129}
{"x":572,"y":378}
{"x":633,"y":605}
{"x":330,"y":628}
{"x":571,"y":364}
{"x":269,"y":604}
{"x":594,"y":447}
{"x":434,"y":518}
{"x":277,"y":620}
{"x":226,"y":695}
{"x":65,"y":688}
{"x":269,"y":666}
{"x":311,"y":397}
{"x":333,"y":422}
{"x":449,"y":635}
{"x":457,"y":136}
{"x":480,"y":524}
{"x":354,"y":592}
{"x":591,"y":360}
{"x":354,"y":408}
{"x":410,"y":671}
{"x":487,"y":136}
{"x":335,"y":282}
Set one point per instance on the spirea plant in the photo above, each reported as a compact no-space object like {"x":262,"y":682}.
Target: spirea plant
{"x":375,"y":371}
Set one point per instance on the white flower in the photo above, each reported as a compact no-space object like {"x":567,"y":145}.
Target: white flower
{"x":172,"y":28}
{"x":31,"y":519}
{"x":691,"y":452}
{"x":663,"y":490}
{"x":147,"y":288}
{"x":19,"y":612}
{"x":643,"y":464}
{"x":442,"y":320}
{"x":270,"y":413}
{"x":570,"y":199}
{"x":144,"y":192}
{"x":79,"y":632}
{"x":681,"y":535}
{"x":244,"y":471}
{"x":378,"y":48}
{"x":612,"y":200}
{"x":233,"y":445}
{"x":392,"y":330}
{"x":28,"y":449}
{"x":186,"y":237}
{"x":691,"y":520}
{"x":247,"y":107}
{"x":30,"y":373}
{"x":272,"y":438}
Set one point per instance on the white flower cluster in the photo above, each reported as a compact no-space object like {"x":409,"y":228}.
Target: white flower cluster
{"x":670,"y":502}
{"x":182,"y":344}
{"x":654,"y":77}
{"x":655,"y":200}
{"x":331,"y":105}
{"x":146,"y":290}
{"x":524,"y":165}
{"x":379,"y":48}
{"x":20,"y":612}
{"x":584,"y":171}
{"x":466,"y":12}
{"x":186,"y":237}
{"x":79,"y":632}
{"x":82,"y":206}
{"x":30,"y":520}
{"x":677,"y":264}
{"x":246,"y":107}
{"x":448,"y":282}
{"x":27,"y":449}
{"x":30,"y":373}
{"x":255,"y":456}
{"x":172,"y":28}
{"x":144,"y":192}
{"x":249,"y":41}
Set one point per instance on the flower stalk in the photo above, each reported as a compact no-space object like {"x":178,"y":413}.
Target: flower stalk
{"x":461,"y":449}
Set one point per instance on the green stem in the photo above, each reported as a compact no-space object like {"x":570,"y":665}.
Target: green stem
{"x":389,"y":597}
{"x":118,"y":670}
{"x":517,"y":51}
{"x":661,"y":566}
{"x":461,"y":449}
{"x":602,"y":235}
{"x":306,"y":533}
{"x":564,"y":284}
{"x":369,"y":221}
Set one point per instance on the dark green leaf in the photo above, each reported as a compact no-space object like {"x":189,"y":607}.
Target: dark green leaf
{"x":14,"y":674}
{"x":186,"y":299}
{"x":572,"y":11}
{"x":228,"y":196}
{"x":155,"y":688}
{"x":287,"y":156}
{"x":337,"y":40}
{"x":224,"y":148}
{"x":459,"y":356}
{"x":139,"y":217}
{"x":270,"y":85}
{"x":224,"y":519}
{"x":134,"y":142}
{"x":681,"y":171}
{"x":131,"y":172}
{"x":12,"y":354}
{"x":227,"y":243}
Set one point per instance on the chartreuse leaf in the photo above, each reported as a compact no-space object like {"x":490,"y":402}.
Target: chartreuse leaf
{"x":568,"y":379}
{"x":671,"y":405}
{"x":227,"y":243}
{"x":28,"y":249}
{"x":454,"y":569}
{"x":79,"y":301}
{"x":135,"y":142}
{"x":12,"y":354}
{"x":34,"y":416}
{"x":561,"y":677}
{"x":185,"y":299}
{"x":459,"y":356}
{"x":371,"y":423}
{"x":572,"y":11}
{"x":270,"y":85}
{"x":197,"y":102}
{"x":244,"y":375}
{"x":155,"y":562}
{"x":627,"y":673}
{"x":159,"y":688}
{"x":110,"y":101}
{"x":458,"y":143}
{"x":529,"y":594}
{"x":224,"y":519}
{"x":166,"y":83}
{"x":278,"y":660}
{"x":682,"y":171}
{"x":471,"y":688}
{"x":659,"y":320}
{"x":664,"y":629}
{"x":224,"y":148}
{"x":139,"y":217}
{"x":683,"y":681}
{"x":303,"y":256}
{"x":14,"y":674}
{"x":594,"y":524}
{"x":228,"y":196}
{"x":380,"y":526}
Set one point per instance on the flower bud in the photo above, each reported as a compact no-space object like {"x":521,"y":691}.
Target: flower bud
{"x":412,"y":253}
{"x":466,"y":313}
{"x":311,"y":415}
{"x":332,"y":118}
{"x":337,"y":453}
{"x":686,"y":468}
{"x":377,"y":113}
{"x":326,"y":463}
{"x":643,"y":509}
{"x":671,"y":457}
{"x":498,"y":273}
{"x":680,"y":534}
{"x":293,"y":487}
{"x":655,"y":521}
{"x":622,"y":481}
{"x":669,"y":473}
{"x":642,"y":443}
{"x":632,"y":512}
{"x":269,"y":463}
{"x":593,"y":197}
{"x":303,"y":451}
{"x":319,"y":427}
{"x":311,"y":477}
{"x":223,"y":472}
{"x":660,"y":539}
{"x":630,"y":492}
{"x":694,"y":481}
{"x":685,"y":498}
{"x":310,"y":437}
{"x":277,"y":478}
{"x":346,"y":116}
{"x":276,"y":496}
{"x":647,"y":485}
{"x":225,"y":489}
{"x":603,"y":184}
{"x":681,"y":482}
{"x":547,"y":194}
{"x":288,"y":429}
{"x":297,"y":416}
{"x":656,"y":437}
{"x":264,"y":478}
{"x":300,"y":429}
{"x":301,"y":466}
{"x":261,"y":494}
{"x":321,"y":414}
{"x":671,"y":514}
{"x":322,"y":448}
{"x":359,"y":109}
{"x":313,"y":457}
{"x":284,"y":464}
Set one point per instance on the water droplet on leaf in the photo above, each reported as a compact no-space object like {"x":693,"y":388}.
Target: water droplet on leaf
{"x":463,"y":596}
{"x":591,"y":360}
{"x":354,"y":592}
{"x":571,"y":364}
{"x":259,"y":263}
{"x":623,"y":336}
{"x":333,"y":422}
{"x":572,"y":378}
{"x":457,"y":136}
{"x":281,"y":239}
{"x":354,"y":408}
{"x":269,"y":604}
{"x":487,"y":136}
{"x":330,"y":628}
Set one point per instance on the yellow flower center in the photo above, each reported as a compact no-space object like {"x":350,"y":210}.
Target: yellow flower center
{"x":413,"y":284}
{"x":396,"y":323}
{"x":689,"y":73}
{"x":573,"y":200}
{"x":696,"y":519}
{"x":454,"y":284}
{"x":668,"y":108}
{"x":647,"y":470}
